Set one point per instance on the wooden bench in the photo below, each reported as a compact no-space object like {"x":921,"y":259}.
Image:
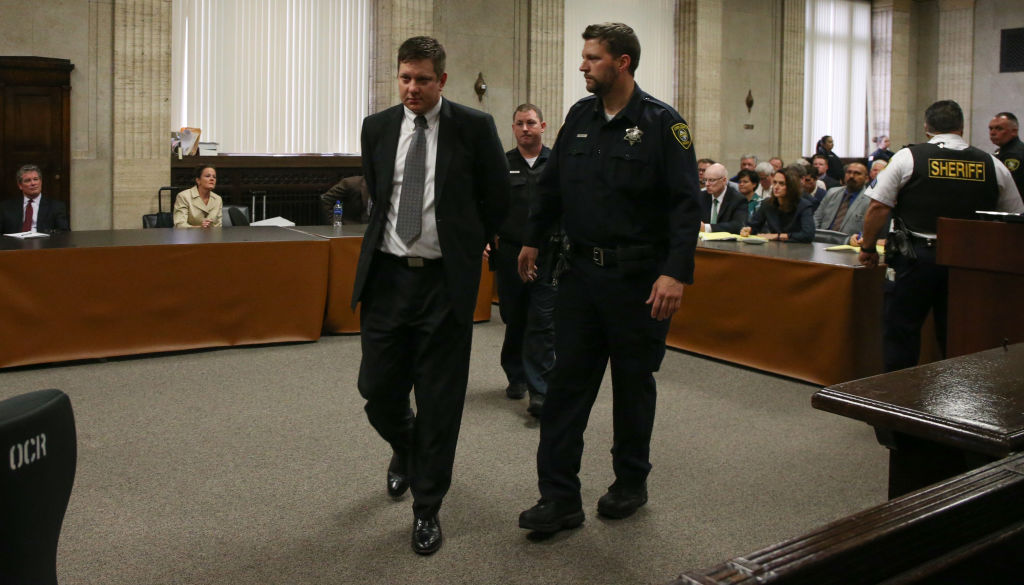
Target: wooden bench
{"x":968,"y":529}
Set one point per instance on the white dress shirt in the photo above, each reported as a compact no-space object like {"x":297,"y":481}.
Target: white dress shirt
{"x":427,"y":245}
{"x":35,"y":209}
{"x":901,"y":166}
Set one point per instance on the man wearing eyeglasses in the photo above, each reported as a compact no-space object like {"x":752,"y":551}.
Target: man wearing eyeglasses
{"x":725,"y":210}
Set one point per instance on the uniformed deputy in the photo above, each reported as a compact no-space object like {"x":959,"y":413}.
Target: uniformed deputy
{"x":944,"y":177}
{"x":622,"y":178}
{"x":527,"y":308}
{"x":1002,"y":131}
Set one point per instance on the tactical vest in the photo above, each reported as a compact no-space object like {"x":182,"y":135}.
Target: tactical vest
{"x":946,"y":183}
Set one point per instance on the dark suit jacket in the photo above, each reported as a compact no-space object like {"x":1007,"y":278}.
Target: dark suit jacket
{"x":53,"y":215}
{"x":732,"y":213}
{"x":471,"y":193}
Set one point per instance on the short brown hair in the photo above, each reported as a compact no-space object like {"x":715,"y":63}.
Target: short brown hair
{"x":528,"y":108}
{"x":418,"y":48}
{"x":618,"y":38}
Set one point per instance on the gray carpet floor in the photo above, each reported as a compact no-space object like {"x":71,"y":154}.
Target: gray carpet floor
{"x":257,"y":466}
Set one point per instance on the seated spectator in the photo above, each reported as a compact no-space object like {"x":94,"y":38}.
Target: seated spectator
{"x":820,"y":164}
{"x":747,"y":162}
{"x":764,"y":182}
{"x":876,"y":167}
{"x":882,"y":152}
{"x":812,"y":190}
{"x":702,"y":165}
{"x":835,"y":166}
{"x":32,"y":212}
{"x":748,"y":187}
{"x":843,"y":208}
{"x":724,"y":208}
{"x":776,"y":163}
{"x":787,"y":216}
{"x":199,"y":206}
{"x":354,"y":197}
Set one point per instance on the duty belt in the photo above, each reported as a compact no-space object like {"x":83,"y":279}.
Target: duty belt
{"x":609,"y":257}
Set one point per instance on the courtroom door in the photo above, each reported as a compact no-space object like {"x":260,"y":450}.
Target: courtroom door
{"x":35,"y":123}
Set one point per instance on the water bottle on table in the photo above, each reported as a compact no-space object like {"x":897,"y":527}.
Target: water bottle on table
{"x":338,"y":212}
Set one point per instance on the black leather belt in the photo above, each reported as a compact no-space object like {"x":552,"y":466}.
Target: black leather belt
{"x":409,"y":261}
{"x":609,"y":257}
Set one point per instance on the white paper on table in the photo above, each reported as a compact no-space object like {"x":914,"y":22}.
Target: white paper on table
{"x":274,"y":221}
{"x":28,"y":235}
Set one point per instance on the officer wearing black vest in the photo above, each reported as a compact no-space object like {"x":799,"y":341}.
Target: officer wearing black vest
{"x":1002,"y":131}
{"x":944,"y":177}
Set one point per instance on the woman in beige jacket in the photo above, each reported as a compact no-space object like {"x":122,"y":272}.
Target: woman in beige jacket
{"x":199,"y":207}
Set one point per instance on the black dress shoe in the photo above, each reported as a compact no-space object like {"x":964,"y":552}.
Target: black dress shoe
{"x":536,"y":407}
{"x":426,"y":535}
{"x":621,"y":502}
{"x":398,"y":476}
{"x":550,"y":517}
{"x":515,"y":391}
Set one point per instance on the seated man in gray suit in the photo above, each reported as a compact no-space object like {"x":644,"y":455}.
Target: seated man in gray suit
{"x":724,"y":209}
{"x":843,"y":208}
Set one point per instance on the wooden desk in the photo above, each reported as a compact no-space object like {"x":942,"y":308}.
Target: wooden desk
{"x":969,"y":529}
{"x":345,"y":244}
{"x":92,"y":294}
{"x":984,"y":257}
{"x":792,"y":309}
{"x":942,"y":418}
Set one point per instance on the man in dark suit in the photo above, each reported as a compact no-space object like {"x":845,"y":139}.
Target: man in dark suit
{"x":32,"y":211}
{"x":437,"y":177}
{"x":724,"y":209}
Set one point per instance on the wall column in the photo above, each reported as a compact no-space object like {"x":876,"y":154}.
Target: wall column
{"x":956,"y":55}
{"x":547,"y":44}
{"x":791,"y":127}
{"x":699,"y":73}
{"x":394,"y":21}
{"x":142,"y":94}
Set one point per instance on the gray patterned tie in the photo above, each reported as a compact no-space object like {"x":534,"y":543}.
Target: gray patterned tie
{"x":410,"y":206}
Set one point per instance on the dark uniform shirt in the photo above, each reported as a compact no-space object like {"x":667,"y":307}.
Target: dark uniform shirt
{"x":1012,"y":154}
{"x":628,"y":181}
{"x":523,"y":180}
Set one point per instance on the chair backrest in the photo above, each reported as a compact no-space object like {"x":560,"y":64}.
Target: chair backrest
{"x":157,"y":220}
{"x":37,"y":471}
{"x":236,"y":215}
{"x":831,"y":237}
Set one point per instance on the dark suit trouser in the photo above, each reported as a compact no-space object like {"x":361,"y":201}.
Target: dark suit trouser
{"x":527,"y":309}
{"x":920,"y":286}
{"x":600,"y":315}
{"x":411,"y":338}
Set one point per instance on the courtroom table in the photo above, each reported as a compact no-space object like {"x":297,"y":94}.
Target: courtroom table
{"x":788,"y":308}
{"x":942,"y":418}
{"x":93,"y":294}
{"x":345,"y":243}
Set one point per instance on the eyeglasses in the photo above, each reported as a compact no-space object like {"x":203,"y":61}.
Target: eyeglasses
{"x":713,"y":180}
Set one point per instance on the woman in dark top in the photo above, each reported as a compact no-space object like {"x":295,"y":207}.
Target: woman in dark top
{"x":786,"y":216}
{"x":883,"y":152}
{"x":835,"y":166}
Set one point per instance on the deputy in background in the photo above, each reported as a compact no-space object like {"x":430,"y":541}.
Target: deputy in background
{"x":944,"y":177}
{"x":622,"y":179}
{"x":1002,"y":131}
{"x":199,"y":207}
{"x":527,"y":308}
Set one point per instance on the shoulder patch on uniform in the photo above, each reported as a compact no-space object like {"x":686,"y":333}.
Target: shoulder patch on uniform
{"x":1012,"y":163}
{"x":682,"y":133}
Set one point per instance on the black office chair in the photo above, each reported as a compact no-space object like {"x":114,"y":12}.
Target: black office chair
{"x":37,"y":471}
{"x":831,"y":237}
{"x":236,"y":216}
{"x":157,"y":220}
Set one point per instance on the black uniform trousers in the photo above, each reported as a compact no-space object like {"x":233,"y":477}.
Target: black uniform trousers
{"x":411,"y":339}
{"x":527,"y":309}
{"x":600,"y":315}
{"x":920,"y":286}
